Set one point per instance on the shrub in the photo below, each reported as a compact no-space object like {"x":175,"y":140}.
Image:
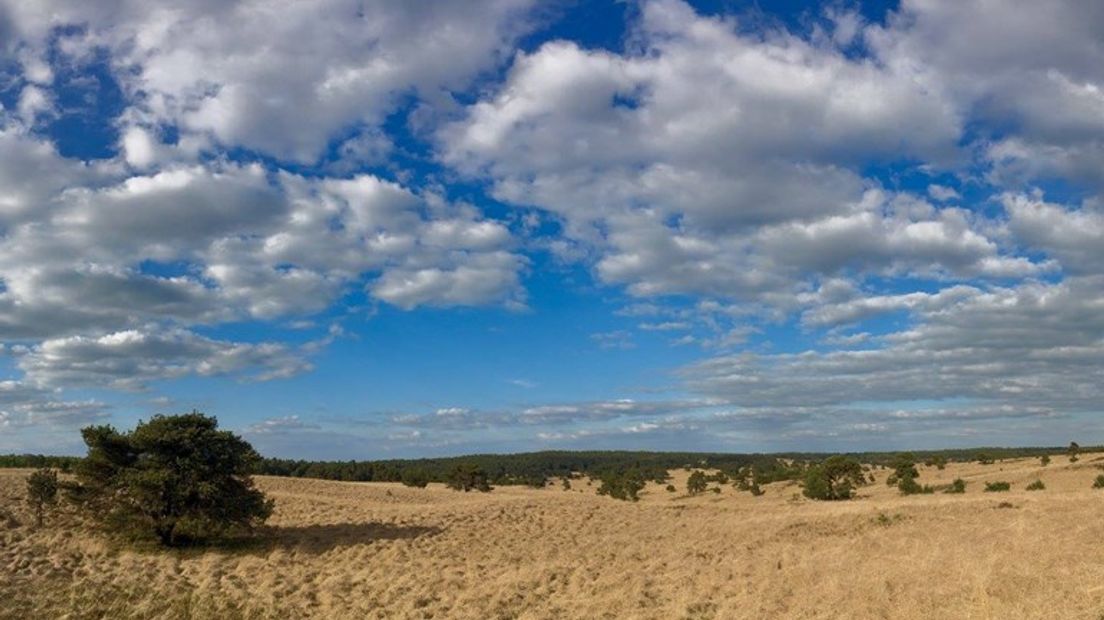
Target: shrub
{"x":958,"y":486}
{"x":415,"y":477}
{"x":755,"y":490}
{"x":834,"y":479}
{"x":696,"y":483}
{"x":671,"y":488}
{"x":1073,"y":450}
{"x":1099,"y":482}
{"x":468,"y":477}
{"x":984,"y":458}
{"x":716,"y":490}
{"x":622,"y":485}
{"x":995,"y":487}
{"x":1036,"y":486}
{"x":42,"y":488}
{"x":177,"y":478}
{"x":566,"y":484}
{"x":909,"y":486}
{"x":1045,"y":460}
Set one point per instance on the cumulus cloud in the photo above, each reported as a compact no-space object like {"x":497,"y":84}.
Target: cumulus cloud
{"x":131,"y":359}
{"x":227,"y":73}
{"x":711,"y":161}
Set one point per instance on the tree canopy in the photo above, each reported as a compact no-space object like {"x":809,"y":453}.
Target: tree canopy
{"x":178,"y":478}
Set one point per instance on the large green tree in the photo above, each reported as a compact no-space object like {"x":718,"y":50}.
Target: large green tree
{"x":177,"y":478}
{"x":836,"y":478}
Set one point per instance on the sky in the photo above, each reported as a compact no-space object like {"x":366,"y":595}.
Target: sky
{"x":361,"y":230}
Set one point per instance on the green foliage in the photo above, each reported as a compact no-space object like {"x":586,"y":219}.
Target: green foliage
{"x":177,"y":478}
{"x":996,"y":487}
{"x":909,"y":486}
{"x":696,"y":483}
{"x":834,"y":479}
{"x":418,"y":478}
{"x":1099,"y":482}
{"x":1036,"y":486}
{"x":754,"y":489}
{"x":716,"y":490}
{"x":622,"y":485}
{"x":936,"y":460}
{"x":985,"y":458}
{"x":42,"y":488}
{"x":566,"y":483}
{"x":468,"y":477}
{"x":671,"y":488}
{"x":1045,"y":460}
{"x":958,"y":486}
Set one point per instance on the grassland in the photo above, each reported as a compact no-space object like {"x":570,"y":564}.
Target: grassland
{"x":381,"y":550}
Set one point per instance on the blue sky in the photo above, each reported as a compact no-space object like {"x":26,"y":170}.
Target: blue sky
{"x":368,"y":230}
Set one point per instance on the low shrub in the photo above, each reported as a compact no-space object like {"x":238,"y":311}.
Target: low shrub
{"x":1045,"y":460}
{"x":671,"y":488}
{"x":958,"y":486}
{"x":1099,"y":482}
{"x":42,"y":488}
{"x":1036,"y":486}
{"x":996,"y":487}
{"x":696,"y":483}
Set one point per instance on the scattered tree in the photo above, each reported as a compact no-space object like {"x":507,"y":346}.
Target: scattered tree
{"x":834,"y":479}
{"x":696,"y":483}
{"x":42,"y":488}
{"x":177,"y":478}
{"x":985,"y":458}
{"x":622,"y":485}
{"x":467,"y":477}
{"x":1073,"y":451}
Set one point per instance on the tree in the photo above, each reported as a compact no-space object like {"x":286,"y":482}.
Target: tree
{"x":42,"y":488}
{"x":1073,"y":451}
{"x":696,"y":483}
{"x":415,"y":477}
{"x":467,"y":477}
{"x":834,"y":479}
{"x":622,"y":485}
{"x":1045,"y":460}
{"x":177,"y":478}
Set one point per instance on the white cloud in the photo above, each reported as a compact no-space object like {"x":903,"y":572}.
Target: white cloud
{"x":235,"y":71}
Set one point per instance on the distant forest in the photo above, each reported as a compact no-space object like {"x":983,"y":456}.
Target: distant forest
{"x":535,"y":468}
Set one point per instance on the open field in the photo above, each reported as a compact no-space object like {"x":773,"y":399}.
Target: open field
{"x":357,"y":550}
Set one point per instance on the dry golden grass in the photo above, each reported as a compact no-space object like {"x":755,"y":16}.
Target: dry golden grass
{"x":348,"y":550}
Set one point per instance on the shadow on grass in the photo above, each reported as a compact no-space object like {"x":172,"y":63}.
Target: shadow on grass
{"x":322,"y":538}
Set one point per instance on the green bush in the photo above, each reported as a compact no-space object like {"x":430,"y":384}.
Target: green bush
{"x":42,"y":488}
{"x":622,"y":485}
{"x":177,"y":478}
{"x":468,"y":477}
{"x":958,"y":486}
{"x":1099,"y":482}
{"x":696,"y":483}
{"x":1036,"y":486}
{"x":1045,"y":460}
{"x":996,"y":487}
{"x":755,"y":490}
{"x":671,"y":488}
{"x":418,"y":478}
{"x":834,"y":479}
{"x":909,"y":486}
{"x":566,"y":484}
